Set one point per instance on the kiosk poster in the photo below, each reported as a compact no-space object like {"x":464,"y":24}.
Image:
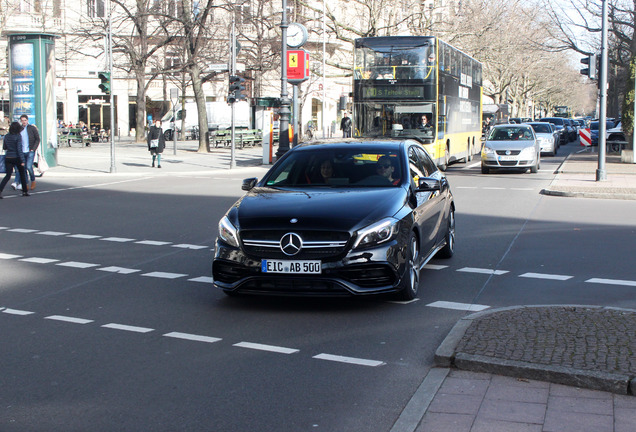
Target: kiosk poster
{"x":23,"y":81}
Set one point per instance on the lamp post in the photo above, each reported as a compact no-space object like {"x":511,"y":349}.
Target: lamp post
{"x":600,"y":172}
{"x":283,"y":135}
{"x":174,"y":98}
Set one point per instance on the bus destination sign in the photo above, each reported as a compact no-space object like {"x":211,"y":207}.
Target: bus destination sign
{"x":393,"y":92}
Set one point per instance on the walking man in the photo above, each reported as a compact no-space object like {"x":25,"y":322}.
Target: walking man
{"x":345,"y":126}
{"x":30,"y":143}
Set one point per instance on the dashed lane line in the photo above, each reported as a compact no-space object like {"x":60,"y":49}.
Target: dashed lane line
{"x":458,"y":306}
{"x":435,"y":267}
{"x":84,"y":236}
{"x":482,"y":271}
{"x":546,"y":276}
{"x":68,"y":319}
{"x":152,"y":243}
{"x":165,"y":275}
{"x":612,"y":282}
{"x":38,"y":260}
{"x":192,"y":337}
{"x":53,"y":233}
{"x":120,"y":270}
{"x":349,"y":360}
{"x":129,"y":328}
{"x":77,"y":264}
{"x":17,"y":312}
{"x":9,"y":256}
{"x":268,"y":348}
{"x":202,"y":279}
{"x":117,"y":239}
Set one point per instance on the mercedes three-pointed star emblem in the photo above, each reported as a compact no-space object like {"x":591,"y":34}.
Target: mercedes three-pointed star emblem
{"x":291,"y":244}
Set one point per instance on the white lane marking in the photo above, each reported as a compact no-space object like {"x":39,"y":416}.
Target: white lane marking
{"x":493,"y":188}
{"x":37,"y":260}
{"x":9,"y":256}
{"x":192,"y":337}
{"x":117,"y":239}
{"x":349,"y":360}
{"x":404,"y":302}
{"x":482,"y":271}
{"x":546,"y":276}
{"x":612,"y":282}
{"x":23,"y":230}
{"x":435,"y":267}
{"x":17,"y":312}
{"x":85,"y":236}
{"x":120,"y":270}
{"x":4,"y":228}
{"x":68,"y":319}
{"x":153,"y":243}
{"x":474,"y":165}
{"x":269,"y":348}
{"x":202,"y":279}
{"x":76,"y":264}
{"x":189,"y":246}
{"x":128,"y":328}
{"x":465,"y":187}
{"x":164,"y":275}
{"x":53,"y":233}
{"x":458,"y":306}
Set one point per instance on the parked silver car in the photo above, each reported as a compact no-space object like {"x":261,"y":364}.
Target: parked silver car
{"x":548,"y":137}
{"x":511,"y":146}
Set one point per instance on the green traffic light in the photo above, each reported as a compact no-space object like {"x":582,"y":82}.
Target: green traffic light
{"x":105,"y":85}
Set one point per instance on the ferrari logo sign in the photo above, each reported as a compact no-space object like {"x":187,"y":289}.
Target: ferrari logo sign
{"x":297,"y":66}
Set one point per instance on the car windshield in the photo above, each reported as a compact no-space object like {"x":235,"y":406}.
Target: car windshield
{"x":541,"y":128}
{"x":339,"y":167}
{"x":510,"y":134}
{"x":555,"y":121}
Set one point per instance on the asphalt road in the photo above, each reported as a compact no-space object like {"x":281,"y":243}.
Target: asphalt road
{"x":110,"y":321}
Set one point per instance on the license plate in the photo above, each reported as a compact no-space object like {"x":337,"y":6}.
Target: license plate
{"x":507,"y":158}
{"x":290,"y":266}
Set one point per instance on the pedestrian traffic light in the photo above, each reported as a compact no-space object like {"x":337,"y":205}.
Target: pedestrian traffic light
{"x":590,"y":71}
{"x":236,"y":89}
{"x":105,"y":85}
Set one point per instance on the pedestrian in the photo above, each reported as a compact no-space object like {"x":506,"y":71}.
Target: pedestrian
{"x":156,"y":142}
{"x":345,"y":126}
{"x":14,"y":157}
{"x":30,"y":143}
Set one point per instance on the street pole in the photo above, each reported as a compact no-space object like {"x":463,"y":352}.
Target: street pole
{"x":283,"y":136}
{"x":232,"y":73}
{"x":112,"y":96}
{"x":600,"y":172}
{"x":174,"y":95}
{"x":324,"y":54}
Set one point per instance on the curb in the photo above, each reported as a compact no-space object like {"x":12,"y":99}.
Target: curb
{"x":446,"y":356}
{"x":587,"y":194}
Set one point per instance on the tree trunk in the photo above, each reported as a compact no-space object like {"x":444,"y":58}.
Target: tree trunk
{"x":199,"y":97}
{"x":141,"y":107}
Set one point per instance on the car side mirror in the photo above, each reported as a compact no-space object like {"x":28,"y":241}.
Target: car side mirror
{"x":428,"y":184}
{"x":248,"y":184}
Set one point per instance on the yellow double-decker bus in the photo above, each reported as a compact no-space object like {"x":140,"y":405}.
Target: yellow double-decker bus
{"x":418,"y":87}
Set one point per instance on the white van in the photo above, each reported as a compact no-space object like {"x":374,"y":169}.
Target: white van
{"x":219,"y":117}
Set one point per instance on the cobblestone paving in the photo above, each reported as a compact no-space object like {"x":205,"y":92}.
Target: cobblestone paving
{"x":577,"y":337}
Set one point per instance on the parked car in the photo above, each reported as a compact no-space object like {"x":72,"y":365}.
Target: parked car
{"x":548,"y":137}
{"x":559,"y":124}
{"x":572,"y":128}
{"x":511,"y":146}
{"x":594,"y":130}
{"x":616,"y":133}
{"x":332,"y":219}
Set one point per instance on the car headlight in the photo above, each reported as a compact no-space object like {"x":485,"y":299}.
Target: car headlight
{"x":227,"y":232}
{"x":377,"y":233}
{"x":528,"y":151}
{"x":488,"y":151}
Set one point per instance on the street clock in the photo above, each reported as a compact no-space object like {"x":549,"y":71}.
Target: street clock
{"x":296,"y":35}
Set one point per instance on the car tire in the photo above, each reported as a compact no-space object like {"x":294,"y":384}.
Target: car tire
{"x":535,"y":168}
{"x":411,"y":279}
{"x":485,"y":170}
{"x":444,"y":166}
{"x":167,"y":135}
{"x":448,"y":250}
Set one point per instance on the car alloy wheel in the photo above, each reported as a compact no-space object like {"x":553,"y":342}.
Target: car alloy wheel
{"x":448,"y":250}
{"x":411,"y":280}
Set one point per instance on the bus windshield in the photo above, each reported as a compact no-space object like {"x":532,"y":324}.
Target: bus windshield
{"x":397,"y":120}
{"x":394,"y":62}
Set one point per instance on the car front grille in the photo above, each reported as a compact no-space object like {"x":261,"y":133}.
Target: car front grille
{"x":316,"y":244}
{"x":505,"y":152}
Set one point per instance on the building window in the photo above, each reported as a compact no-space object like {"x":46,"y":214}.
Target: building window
{"x":96,"y":8}
{"x":243,"y":13}
{"x":25,"y":6}
{"x":57,"y":8}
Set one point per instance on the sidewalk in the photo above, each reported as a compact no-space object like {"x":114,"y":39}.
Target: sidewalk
{"x":531,"y":368}
{"x":576,"y":177}
{"x":133,"y":159}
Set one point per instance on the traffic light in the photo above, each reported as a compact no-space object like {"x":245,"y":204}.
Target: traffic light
{"x":236,"y":89}
{"x":590,"y":71}
{"x":105,"y":85}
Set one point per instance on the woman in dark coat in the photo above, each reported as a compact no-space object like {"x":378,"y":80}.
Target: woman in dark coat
{"x":14,"y":157}
{"x":156,"y":143}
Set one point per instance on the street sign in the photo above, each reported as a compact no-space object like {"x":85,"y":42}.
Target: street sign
{"x":297,"y":66}
{"x":219,"y":67}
